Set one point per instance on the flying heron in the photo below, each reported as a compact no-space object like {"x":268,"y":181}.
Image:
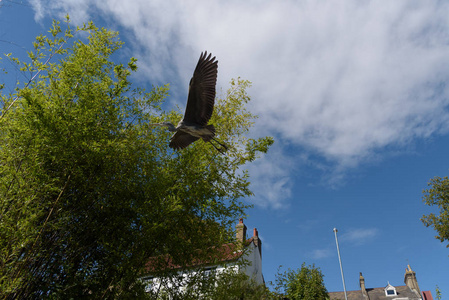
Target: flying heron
{"x":200,"y":105}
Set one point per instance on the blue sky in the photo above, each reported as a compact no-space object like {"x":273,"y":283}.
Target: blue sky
{"x":354,"y":93}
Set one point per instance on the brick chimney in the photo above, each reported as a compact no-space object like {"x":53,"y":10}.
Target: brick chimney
{"x":257,"y":241}
{"x":362,"y":286}
{"x":241,"y":232}
{"x":411,"y":281}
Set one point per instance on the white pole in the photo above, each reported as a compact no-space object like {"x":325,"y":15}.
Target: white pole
{"x":341,"y":267}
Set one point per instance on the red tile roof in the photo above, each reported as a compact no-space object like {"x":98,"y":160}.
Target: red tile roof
{"x":226,"y":253}
{"x":427,"y":295}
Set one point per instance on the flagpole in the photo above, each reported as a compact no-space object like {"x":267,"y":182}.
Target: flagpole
{"x":341,"y":267}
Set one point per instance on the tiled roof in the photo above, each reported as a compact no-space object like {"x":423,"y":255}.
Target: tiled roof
{"x":226,"y":253}
{"x":375,"y":294}
{"x":427,"y":295}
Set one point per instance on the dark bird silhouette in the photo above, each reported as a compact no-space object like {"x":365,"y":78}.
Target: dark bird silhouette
{"x":200,"y":105}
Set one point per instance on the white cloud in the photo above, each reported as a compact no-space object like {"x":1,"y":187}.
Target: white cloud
{"x":352,"y":237}
{"x":321,"y":253}
{"x":270,"y":181}
{"x":79,"y":10}
{"x":341,"y":80}
{"x":359,"y":236}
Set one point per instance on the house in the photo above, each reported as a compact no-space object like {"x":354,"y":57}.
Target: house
{"x":409,"y":291}
{"x":245,"y":256}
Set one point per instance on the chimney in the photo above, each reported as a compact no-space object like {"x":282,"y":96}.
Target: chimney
{"x":241,"y":232}
{"x":411,"y":281}
{"x":362,"y":286}
{"x":257,"y":241}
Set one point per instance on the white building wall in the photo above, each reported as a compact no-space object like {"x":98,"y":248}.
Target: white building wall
{"x":252,"y":267}
{"x":154,"y":283}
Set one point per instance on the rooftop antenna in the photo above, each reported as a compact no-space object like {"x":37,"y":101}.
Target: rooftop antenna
{"x":341,"y":267}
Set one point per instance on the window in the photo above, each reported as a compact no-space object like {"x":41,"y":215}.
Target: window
{"x":148,"y":282}
{"x":208,"y":271}
{"x":390,"y":290}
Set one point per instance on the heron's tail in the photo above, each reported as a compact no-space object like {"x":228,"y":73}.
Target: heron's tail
{"x":210,"y":137}
{"x":209,"y":133}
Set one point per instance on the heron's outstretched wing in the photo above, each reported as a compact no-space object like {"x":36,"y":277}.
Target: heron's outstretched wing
{"x":200,"y":102}
{"x":180,"y":140}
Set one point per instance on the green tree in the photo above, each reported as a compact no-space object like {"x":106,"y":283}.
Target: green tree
{"x":89,"y":191}
{"x":438,"y":194}
{"x":233,"y":285}
{"x":305,"y":283}
{"x":227,"y":284}
{"x":438,"y":292}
